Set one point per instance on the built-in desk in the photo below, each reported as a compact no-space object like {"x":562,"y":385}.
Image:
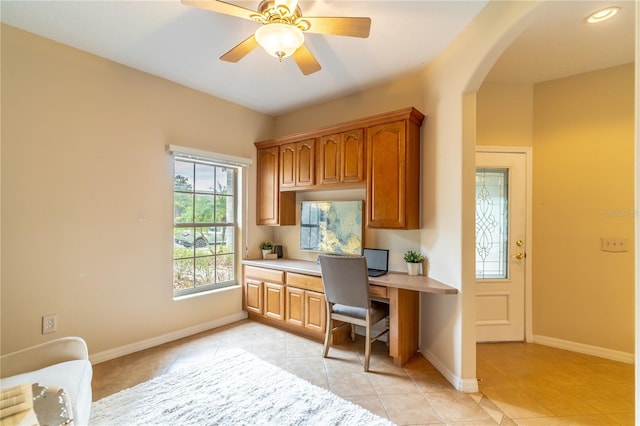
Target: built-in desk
{"x":400,"y":289}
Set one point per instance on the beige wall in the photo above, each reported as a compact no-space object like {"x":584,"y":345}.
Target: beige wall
{"x":91,"y":136}
{"x":447,"y":323}
{"x":86,"y":194}
{"x":583,"y":180}
{"x":505,"y":114}
{"x":450,"y":86}
{"x":583,"y":190}
{"x":400,"y":93}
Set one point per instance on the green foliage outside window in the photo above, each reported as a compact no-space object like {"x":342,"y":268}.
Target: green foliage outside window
{"x":204,"y":226}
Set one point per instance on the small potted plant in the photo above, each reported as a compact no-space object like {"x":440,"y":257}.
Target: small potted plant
{"x":266,"y":248}
{"x":414,"y":260}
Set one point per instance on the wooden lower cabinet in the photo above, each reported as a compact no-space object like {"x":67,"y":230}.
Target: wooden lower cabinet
{"x":306,"y":309}
{"x":253,"y":301}
{"x":292,"y":301}
{"x":274,"y":301}
{"x":264,"y":292}
{"x":295,"y":306}
{"x":315,"y":314}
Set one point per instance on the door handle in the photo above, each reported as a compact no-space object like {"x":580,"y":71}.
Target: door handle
{"x":519,"y":256}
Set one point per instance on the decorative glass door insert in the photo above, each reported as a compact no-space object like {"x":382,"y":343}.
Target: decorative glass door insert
{"x":492,"y":223}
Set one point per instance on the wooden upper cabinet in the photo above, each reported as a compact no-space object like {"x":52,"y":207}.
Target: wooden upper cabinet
{"x":306,"y":166}
{"x":288,"y":165}
{"x":381,"y":152}
{"x":297,"y":164}
{"x":393,"y":171}
{"x":272,"y":206}
{"x":352,"y":156}
{"x":341,"y":158}
{"x":329,"y":161}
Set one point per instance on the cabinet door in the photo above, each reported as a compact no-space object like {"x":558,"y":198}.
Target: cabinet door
{"x":272,"y":206}
{"x":315,"y":311}
{"x":342,"y":157}
{"x":329,"y":163}
{"x":267,"y":187}
{"x":253,"y":296}
{"x":295,"y":306}
{"x":386,"y":175}
{"x":352,"y":156}
{"x":274,"y":301}
{"x":288,"y":165}
{"x":306,"y":163}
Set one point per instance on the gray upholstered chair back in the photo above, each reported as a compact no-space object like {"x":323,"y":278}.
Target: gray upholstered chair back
{"x":345,"y":280}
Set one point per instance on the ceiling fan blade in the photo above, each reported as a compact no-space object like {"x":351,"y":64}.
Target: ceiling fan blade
{"x":305,"y":60}
{"x":221,"y":7}
{"x":241,"y":50}
{"x":352,"y":27}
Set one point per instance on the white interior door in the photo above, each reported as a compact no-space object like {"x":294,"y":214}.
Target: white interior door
{"x":501,"y":211}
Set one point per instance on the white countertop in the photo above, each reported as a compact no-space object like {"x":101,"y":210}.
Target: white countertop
{"x":391,"y":279}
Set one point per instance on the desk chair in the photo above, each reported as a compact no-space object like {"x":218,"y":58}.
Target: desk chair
{"x":346,"y":290}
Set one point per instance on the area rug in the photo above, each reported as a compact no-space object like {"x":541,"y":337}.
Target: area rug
{"x":234,"y":388}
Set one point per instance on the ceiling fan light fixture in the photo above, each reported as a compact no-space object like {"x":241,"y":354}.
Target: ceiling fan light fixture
{"x":279,"y":40}
{"x":602,"y":14}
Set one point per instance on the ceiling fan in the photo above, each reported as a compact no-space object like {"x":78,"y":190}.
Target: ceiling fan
{"x":283,"y":25}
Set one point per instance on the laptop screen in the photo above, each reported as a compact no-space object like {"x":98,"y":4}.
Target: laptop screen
{"x":376,"y":258}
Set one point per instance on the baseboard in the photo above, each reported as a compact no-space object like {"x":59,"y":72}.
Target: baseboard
{"x":462,"y":385}
{"x":165,"y":338}
{"x":611,"y":354}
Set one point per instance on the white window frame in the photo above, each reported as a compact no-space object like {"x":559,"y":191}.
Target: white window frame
{"x":241,"y":165}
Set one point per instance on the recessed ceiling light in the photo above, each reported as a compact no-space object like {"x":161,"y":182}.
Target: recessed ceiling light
{"x":602,"y":14}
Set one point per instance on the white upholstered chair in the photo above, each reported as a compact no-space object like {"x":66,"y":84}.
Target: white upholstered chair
{"x":60,"y":363}
{"x":346,"y":289}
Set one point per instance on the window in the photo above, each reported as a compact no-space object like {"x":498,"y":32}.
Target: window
{"x":205,"y":223}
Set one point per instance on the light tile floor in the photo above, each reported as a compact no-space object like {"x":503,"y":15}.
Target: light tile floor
{"x":523,"y":384}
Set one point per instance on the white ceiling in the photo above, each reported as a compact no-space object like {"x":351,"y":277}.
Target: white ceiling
{"x":183,"y":44}
{"x":559,"y":43}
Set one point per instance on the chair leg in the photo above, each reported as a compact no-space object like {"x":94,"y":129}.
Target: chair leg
{"x":327,"y":337}
{"x":353,"y":332}
{"x":386,"y":327}
{"x":367,"y":347}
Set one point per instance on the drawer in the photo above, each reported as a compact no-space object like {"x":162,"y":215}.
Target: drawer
{"x":377,"y":291}
{"x":307,"y":282}
{"x":270,"y":275}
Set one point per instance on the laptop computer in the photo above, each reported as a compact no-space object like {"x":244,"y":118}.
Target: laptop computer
{"x":377,"y":261}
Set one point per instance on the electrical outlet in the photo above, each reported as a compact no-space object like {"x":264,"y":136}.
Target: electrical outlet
{"x":615,"y":244}
{"x":49,"y":323}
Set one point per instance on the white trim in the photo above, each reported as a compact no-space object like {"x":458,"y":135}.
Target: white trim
{"x":461,"y":385}
{"x":585,"y":349}
{"x":528,"y":278}
{"x":165,"y":338}
{"x":207,"y":292}
{"x":199,"y":154}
